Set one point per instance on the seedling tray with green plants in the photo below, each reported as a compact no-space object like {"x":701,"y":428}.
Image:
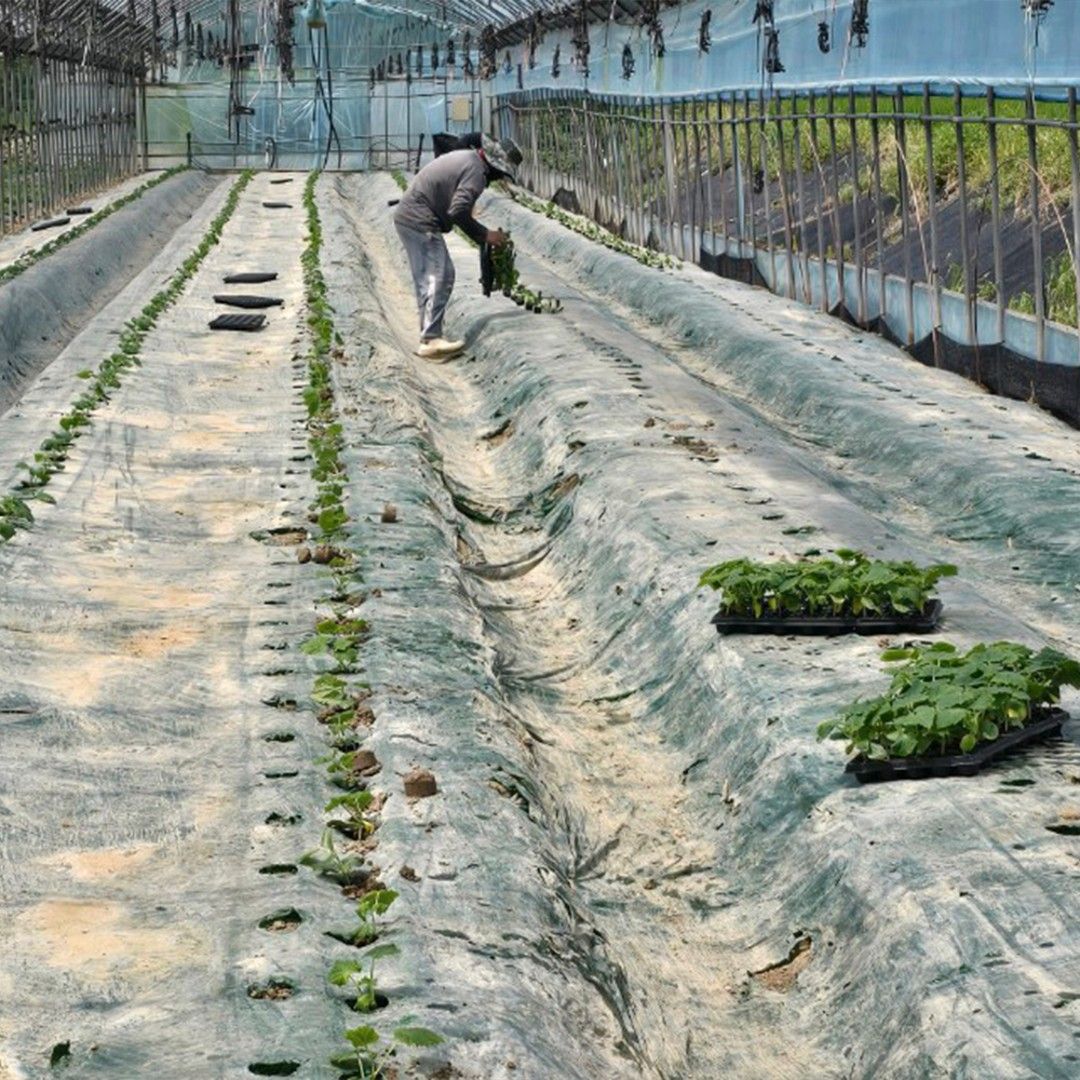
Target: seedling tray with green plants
{"x":948,"y":713}
{"x":850,"y":594}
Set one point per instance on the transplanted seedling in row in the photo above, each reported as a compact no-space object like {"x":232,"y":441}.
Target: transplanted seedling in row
{"x":369,"y":1056}
{"x":328,"y":862}
{"x":941,"y":701}
{"x":369,"y":911}
{"x":358,"y":976}
{"x":592,"y":231}
{"x":850,"y":584}
{"x":358,"y":824}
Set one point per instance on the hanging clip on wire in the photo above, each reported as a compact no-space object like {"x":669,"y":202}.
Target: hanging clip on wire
{"x":860,"y":23}
{"x":704,"y":38}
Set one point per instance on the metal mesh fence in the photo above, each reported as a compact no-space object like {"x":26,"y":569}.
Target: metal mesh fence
{"x":937,"y":214}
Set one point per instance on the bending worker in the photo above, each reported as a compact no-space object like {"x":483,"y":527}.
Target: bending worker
{"x":443,"y":195}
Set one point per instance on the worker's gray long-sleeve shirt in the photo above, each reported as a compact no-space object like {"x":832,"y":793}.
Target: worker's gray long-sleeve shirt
{"x":443,"y":194}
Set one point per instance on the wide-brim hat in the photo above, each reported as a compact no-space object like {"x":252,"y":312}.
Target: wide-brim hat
{"x":503,"y":155}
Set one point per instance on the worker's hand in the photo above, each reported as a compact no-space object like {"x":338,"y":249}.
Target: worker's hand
{"x":496,"y":237}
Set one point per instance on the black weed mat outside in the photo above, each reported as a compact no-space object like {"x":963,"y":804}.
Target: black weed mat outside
{"x":248,"y":301}
{"x":238,"y":322}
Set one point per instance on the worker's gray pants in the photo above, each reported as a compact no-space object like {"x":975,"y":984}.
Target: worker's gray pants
{"x":433,"y":277}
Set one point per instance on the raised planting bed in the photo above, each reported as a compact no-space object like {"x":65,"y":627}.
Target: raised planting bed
{"x":948,"y":713}
{"x":850,"y":594}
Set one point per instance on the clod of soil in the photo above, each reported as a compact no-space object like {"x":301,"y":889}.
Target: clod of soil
{"x":409,"y":874}
{"x":365,"y":761}
{"x":324,"y":553}
{"x":419,"y":784}
{"x":303,"y":555}
{"x":783,"y":975}
{"x":389,"y":514}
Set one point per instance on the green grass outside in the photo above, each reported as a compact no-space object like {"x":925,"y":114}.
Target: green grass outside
{"x":563,"y":146}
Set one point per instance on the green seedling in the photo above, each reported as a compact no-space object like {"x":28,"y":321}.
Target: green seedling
{"x":369,"y":1058}
{"x":358,"y":824}
{"x":358,"y":976}
{"x":369,"y":911}
{"x":850,"y":584}
{"x":330,"y":863}
{"x":591,"y":231}
{"x":941,"y":701}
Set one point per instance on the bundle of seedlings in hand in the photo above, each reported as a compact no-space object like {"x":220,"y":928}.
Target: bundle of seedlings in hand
{"x":942,"y":701}
{"x":849,"y":585}
{"x":506,"y":279}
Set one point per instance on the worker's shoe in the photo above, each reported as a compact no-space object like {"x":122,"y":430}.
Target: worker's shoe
{"x":439,"y":349}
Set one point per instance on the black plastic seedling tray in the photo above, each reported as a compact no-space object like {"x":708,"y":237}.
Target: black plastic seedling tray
{"x":282,"y":180}
{"x":251,"y":277}
{"x":1045,"y":723}
{"x":238,"y":322}
{"x":52,"y":223}
{"x":248,"y":301}
{"x":278,"y":205}
{"x":831,"y":626}
{"x":80,"y":210}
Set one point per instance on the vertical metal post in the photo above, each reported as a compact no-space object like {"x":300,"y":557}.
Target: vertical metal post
{"x":931,"y":194}
{"x":146,"y":131}
{"x":800,"y":189}
{"x":740,"y":181}
{"x":969,"y":283}
{"x":766,"y":193}
{"x":709,"y":211}
{"x":905,"y":210}
{"x":685,"y":205}
{"x":860,"y":269}
{"x":838,"y":234}
{"x":722,"y":173}
{"x":669,"y":176}
{"x":879,"y":210}
{"x":748,"y":128}
{"x":699,"y":199}
{"x":1036,"y":229}
{"x":615,"y":144}
{"x":1074,"y":151}
{"x":789,"y":232}
{"x":823,"y":262}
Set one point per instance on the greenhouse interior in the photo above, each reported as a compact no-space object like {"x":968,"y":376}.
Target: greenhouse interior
{"x":539,"y":540}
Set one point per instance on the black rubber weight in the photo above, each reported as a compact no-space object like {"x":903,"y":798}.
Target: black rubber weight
{"x":79,"y":210}
{"x":238,"y":322}
{"x":278,"y":205}
{"x":254,"y":278}
{"x":52,"y":223}
{"x":248,"y":301}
